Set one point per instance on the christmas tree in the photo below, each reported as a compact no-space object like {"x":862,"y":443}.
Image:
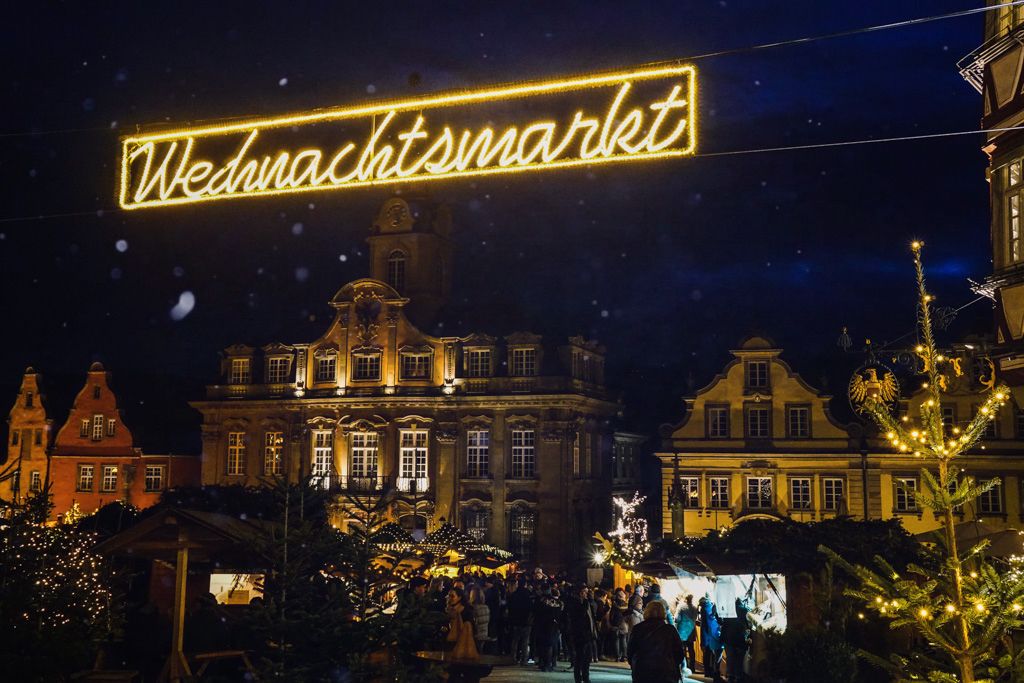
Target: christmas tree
{"x":630,"y":543}
{"x":962,"y":605}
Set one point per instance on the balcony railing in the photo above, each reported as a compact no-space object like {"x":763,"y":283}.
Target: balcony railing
{"x":413,"y":484}
{"x":972,"y":66}
{"x":350,"y":484}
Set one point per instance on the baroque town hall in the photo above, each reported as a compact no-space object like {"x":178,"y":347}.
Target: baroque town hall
{"x":508,"y":438}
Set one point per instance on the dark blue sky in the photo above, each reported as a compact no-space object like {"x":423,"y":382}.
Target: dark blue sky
{"x":670,"y":263}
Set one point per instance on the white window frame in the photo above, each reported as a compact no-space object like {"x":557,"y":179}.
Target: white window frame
{"x":416,"y":365}
{"x":991,"y":502}
{"x":755,"y":497}
{"x":833,"y":492}
{"x":764,"y":429}
{"x":111,"y":426}
{"x":155,"y":477}
{"x":524,"y":454}
{"x":522,"y":533}
{"x":755,"y":380}
{"x":478,"y":452}
{"x":524,"y":362}
{"x":363,"y":362}
{"x":322,"y":458}
{"x":800,"y":493}
{"x":718,"y":422}
{"x":1013,"y":227}
{"x":798,"y":422}
{"x":86,"y":476}
{"x":236,"y":454}
{"x":396,"y":270}
{"x":327,"y":368}
{"x":83,"y":430}
{"x":718,"y":493}
{"x":108,"y":484}
{"x":413,"y":459}
{"x":241,"y":371}
{"x":273,"y":453}
{"x":35,"y":482}
{"x":476,"y":522}
{"x":478,"y":363}
{"x":902,"y":500}
{"x":97,"y":427}
{"x":363,"y":455}
{"x":689,"y":487}
{"x":277,"y":369}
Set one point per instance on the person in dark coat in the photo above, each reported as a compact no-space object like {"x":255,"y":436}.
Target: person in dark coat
{"x":520,"y":618}
{"x":736,"y":639}
{"x":547,"y":615}
{"x":655,"y":652}
{"x":619,"y":621}
{"x":581,"y":631}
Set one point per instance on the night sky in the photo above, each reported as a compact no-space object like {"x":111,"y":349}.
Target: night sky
{"x":669,"y":263}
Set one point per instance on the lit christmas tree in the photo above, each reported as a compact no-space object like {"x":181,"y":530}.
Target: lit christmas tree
{"x":629,"y":539}
{"x":962,"y":606}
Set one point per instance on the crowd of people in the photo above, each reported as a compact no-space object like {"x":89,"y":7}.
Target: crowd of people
{"x":543,"y":620}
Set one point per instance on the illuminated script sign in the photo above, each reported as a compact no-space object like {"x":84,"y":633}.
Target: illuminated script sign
{"x":639,"y":114}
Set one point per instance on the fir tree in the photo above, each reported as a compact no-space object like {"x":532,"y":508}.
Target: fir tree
{"x":961,"y":606}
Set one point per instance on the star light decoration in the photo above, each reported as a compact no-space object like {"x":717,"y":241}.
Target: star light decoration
{"x":630,"y":544}
{"x":964,"y":608}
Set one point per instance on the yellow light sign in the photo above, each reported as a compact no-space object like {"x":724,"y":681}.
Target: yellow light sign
{"x":631,"y":115}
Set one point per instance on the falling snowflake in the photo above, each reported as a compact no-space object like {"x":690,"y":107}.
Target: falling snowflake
{"x":297,"y":229}
{"x":121,"y":245}
{"x":342,"y":257}
{"x":186,"y":302}
{"x":283,"y":82}
{"x":301,"y":274}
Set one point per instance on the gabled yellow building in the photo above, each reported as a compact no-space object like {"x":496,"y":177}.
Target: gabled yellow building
{"x":758,"y":442}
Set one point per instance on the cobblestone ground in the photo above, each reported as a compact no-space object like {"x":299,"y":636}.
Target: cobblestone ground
{"x":604,"y":672}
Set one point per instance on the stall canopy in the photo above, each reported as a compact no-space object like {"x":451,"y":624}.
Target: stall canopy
{"x":178,"y":536}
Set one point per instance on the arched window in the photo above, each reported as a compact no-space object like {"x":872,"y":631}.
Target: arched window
{"x":396,"y":270}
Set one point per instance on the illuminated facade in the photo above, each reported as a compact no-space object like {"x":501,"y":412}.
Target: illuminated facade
{"x":994,"y":69}
{"x":509,"y":438}
{"x":760,"y":442}
{"x":28,"y":439}
{"x":95,"y":460}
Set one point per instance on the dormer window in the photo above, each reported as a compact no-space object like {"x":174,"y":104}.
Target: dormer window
{"x":240,"y":373}
{"x":478,"y":363}
{"x":366,"y":365}
{"x":111,"y":427}
{"x":97,"y":427}
{"x":326,"y":367}
{"x":83,"y":430}
{"x":396,"y":270}
{"x":29,"y":397}
{"x":524,"y":362}
{"x":416,"y":365}
{"x":277,"y":369}
{"x":757,"y":374}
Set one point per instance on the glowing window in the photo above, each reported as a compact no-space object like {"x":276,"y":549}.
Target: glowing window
{"x":273,"y":450}
{"x":834,"y":490}
{"x":155,"y":477}
{"x":524,"y":457}
{"x":800,"y":493}
{"x":364,"y":456}
{"x":719,"y":487}
{"x":479,"y":363}
{"x":478,"y":443}
{"x":239,"y":371}
{"x":323,"y":458}
{"x":236,"y":453}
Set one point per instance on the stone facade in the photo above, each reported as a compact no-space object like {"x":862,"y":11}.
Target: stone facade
{"x":28,"y":440}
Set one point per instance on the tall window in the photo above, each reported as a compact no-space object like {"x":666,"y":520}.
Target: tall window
{"x":758,"y":422}
{"x":364,"y":457}
{"x":236,"y":453}
{"x":412,"y":462}
{"x":576,"y":455}
{"x":479,"y":363}
{"x":991,"y":502}
{"x":522,"y":532}
{"x":478,"y":446}
{"x":111,"y":426}
{"x":415,"y":366}
{"x":97,"y":427}
{"x":323,"y":458}
{"x":757,"y":374}
{"x":523,"y":455}
{"x":906,"y":487}
{"x":83,"y":429}
{"x":800,"y":493}
{"x":798,"y":422}
{"x":524,"y":362}
{"x":718,"y":422}
{"x":35,"y":482}
{"x":15,"y":435}
{"x":85,"y":475}
{"x":239,"y":371}
{"x":396,"y":270}
{"x":38,"y":437}
{"x":277,"y":370}
{"x":1013,"y":251}
{"x":719,"y":487}
{"x":326,"y":368}
{"x":109,"y":482}
{"x":273,"y":451}
{"x":476,"y":523}
{"x":689,"y":487}
{"x":366,"y":366}
{"x":155,"y":477}
{"x":759,"y":493}
{"x":29,"y":396}
{"x":834,"y":490}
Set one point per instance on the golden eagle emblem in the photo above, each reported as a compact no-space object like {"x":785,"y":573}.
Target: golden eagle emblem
{"x":866,"y":384}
